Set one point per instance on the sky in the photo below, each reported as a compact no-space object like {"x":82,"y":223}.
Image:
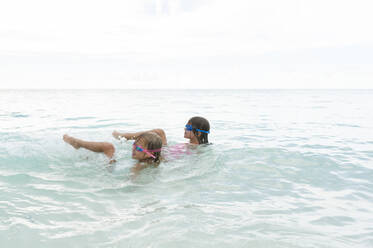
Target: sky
{"x":147,"y":44}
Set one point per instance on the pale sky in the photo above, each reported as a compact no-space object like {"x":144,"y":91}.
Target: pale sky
{"x":186,"y":44}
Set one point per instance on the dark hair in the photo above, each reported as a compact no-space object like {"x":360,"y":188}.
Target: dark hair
{"x":152,"y":142}
{"x":202,"y":124}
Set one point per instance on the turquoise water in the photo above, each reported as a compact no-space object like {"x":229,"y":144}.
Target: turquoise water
{"x":287,"y":168}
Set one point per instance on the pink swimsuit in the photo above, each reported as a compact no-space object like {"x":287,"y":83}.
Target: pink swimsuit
{"x":177,"y":150}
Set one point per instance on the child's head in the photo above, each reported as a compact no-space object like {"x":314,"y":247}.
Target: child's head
{"x":197,"y":128}
{"x":147,"y":147}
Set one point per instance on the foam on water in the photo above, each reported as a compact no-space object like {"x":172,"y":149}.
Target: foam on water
{"x":286,"y":169}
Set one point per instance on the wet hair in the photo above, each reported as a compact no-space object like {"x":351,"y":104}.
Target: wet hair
{"x":152,"y":142}
{"x":202,"y":124}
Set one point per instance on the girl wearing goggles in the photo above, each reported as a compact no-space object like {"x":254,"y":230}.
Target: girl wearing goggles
{"x":146,"y":148}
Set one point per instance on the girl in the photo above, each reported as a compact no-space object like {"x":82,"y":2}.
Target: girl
{"x":146,"y":148}
{"x":196,"y":130}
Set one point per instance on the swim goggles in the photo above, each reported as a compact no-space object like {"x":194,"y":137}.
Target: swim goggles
{"x":141,"y":149}
{"x":190,"y":128}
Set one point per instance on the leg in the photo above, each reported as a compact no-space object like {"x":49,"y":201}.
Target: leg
{"x":105,"y":147}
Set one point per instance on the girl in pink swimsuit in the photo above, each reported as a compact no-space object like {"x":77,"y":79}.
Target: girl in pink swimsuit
{"x":146,"y":149}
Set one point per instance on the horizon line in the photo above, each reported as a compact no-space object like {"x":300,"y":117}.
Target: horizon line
{"x":186,"y":89}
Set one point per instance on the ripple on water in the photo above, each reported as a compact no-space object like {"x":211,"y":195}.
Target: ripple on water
{"x":18,"y":115}
{"x":79,"y":118}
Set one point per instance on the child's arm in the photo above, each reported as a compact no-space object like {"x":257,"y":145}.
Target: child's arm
{"x":104,"y":147}
{"x":133,"y":136}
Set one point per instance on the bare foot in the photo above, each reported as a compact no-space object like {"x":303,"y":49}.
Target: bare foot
{"x":71,"y":141}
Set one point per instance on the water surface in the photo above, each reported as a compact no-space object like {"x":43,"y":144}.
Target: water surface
{"x":287,"y":168}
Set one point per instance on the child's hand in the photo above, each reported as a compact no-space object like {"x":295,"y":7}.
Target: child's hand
{"x":116,"y":135}
{"x":119,"y":135}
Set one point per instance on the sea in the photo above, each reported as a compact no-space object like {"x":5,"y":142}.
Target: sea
{"x":285,"y":168}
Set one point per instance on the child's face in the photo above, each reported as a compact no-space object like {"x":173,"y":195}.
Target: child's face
{"x":188,"y":134}
{"x":138,"y":155}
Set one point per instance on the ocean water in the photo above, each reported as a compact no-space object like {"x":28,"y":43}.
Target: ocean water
{"x":287,"y":168}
